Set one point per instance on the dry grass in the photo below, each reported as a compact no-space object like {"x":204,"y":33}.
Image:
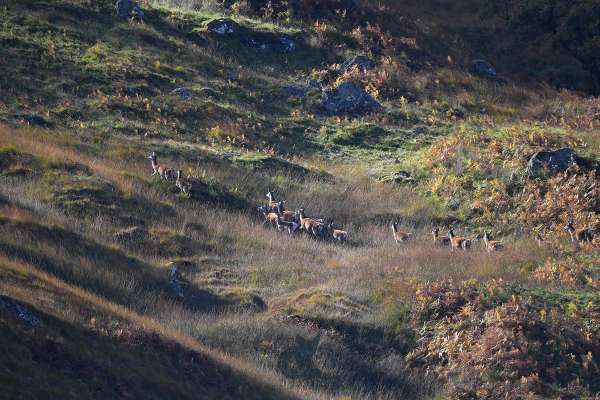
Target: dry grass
{"x":232,"y":251}
{"x":111,"y":310}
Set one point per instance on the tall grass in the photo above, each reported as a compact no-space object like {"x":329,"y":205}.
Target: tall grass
{"x":283,"y":270}
{"x":195,"y":5}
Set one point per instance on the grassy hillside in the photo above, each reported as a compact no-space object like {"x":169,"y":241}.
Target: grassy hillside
{"x":81,"y":345}
{"x":89,"y":236}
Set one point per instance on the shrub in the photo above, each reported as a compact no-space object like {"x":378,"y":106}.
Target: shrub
{"x":570,"y":26}
{"x":505,"y":351}
{"x":568,"y":273}
{"x":303,"y":9}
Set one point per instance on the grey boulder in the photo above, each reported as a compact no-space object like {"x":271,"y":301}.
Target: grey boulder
{"x":223,"y":26}
{"x":347,"y":98}
{"x":554,"y":160}
{"x":483,"y":69}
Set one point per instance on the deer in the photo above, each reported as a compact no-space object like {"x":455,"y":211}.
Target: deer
{"x":579,"y":235}
{"x":400,"y":236}
{"x":290,"y":226}
{"x":271,"y":196}
{"x":286,"y":216}
{"x":337,"y":234}
{"x":538,"y":239}
{"x":165,"y":172}
{"x":184,"y":184}
{"x":458,"y":242}
{"x":441,"y":240}
{"x":491,"y":245}
{"x":270,"y":217}
{"x":310,"y":225}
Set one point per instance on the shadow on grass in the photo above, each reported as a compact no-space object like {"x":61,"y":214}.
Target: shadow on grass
{"x":103,"y":270}
{"x":48,"y":362}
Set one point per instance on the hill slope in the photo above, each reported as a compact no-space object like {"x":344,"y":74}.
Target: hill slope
{"x":149,"y":292}
{"x":61,"y":341}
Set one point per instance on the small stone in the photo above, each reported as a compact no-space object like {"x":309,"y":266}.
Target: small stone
{"x":182,"y":92}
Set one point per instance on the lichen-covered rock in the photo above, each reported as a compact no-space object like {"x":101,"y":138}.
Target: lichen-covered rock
{"x":347,"y":98}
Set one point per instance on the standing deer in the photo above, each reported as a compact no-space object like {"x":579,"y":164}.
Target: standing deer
{"x":437,"y":239}
{"x":184,"y":184}
{"x":458,"y":242}
{"x":579,"y":235}
{"x":165,"y":172}
{"x":400,"y":236}
{"x":491,"y":245}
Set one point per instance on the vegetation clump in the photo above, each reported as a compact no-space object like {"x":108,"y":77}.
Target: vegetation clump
{"x":505,"y":350}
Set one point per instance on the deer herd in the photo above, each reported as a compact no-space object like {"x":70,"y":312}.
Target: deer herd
{"x":277,"y":216}
{"x":294,"y":221}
